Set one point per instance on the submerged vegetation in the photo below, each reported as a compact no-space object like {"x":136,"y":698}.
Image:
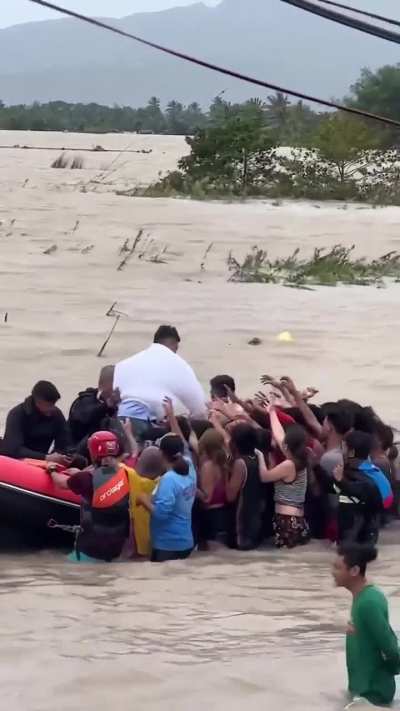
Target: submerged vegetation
{"x":326,"y":267}
{"x":63,"y":162}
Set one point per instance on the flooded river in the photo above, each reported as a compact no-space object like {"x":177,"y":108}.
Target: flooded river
{"x":228,"y":631}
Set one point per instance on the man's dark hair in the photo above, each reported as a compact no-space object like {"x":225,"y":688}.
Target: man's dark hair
{"x":219,"y":383}
{"x":166,"y":333}
{"x":357,"y":554}
{"x":341,"y":418}
{"x":364,"y":418}
{"x":43,"y":390}
{"x":360,"y":443}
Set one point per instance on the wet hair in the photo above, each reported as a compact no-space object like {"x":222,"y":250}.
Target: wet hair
{"x":200,"y":426}
{"x":364,"y":418}
{"x":166,"y":333}
{"x":296,"y":442}
{"x":211,"y":445}
{"x":360,"y":443}
{"x":172,"y":448}
{"x":340,"y":417}
{"x":43,"y":390}
{"x":384,"y":435}
{"x":357,"y":554}
{"x":219,"y":383}
{"x":185,"y":427}
{"x":244,"y":439}
{"x":264,"y":440}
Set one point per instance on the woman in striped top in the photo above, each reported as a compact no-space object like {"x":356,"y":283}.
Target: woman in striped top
{"x":290,"y":479}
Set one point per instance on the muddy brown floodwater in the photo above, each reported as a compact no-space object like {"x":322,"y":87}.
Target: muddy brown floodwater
{"x":228,"y":631}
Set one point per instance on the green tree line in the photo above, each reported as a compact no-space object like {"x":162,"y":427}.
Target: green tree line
{"x":243,"y":149}
{"x":288,"y":123}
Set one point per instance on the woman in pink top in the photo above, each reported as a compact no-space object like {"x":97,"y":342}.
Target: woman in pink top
{"x":213,"y":473}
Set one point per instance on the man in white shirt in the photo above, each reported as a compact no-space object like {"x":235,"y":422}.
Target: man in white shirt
{"x":146,"y":378}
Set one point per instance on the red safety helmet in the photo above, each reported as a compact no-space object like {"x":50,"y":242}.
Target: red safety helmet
{"x":103,"y":444}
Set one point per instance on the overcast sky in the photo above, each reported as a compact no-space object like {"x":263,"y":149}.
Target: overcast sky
{"x":14,"y":11}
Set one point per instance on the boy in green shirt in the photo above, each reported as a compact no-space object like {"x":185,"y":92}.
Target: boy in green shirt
{"x":372,"y":651}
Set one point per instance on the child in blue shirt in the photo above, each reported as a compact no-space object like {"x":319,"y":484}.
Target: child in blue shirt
{"x":171,"y":504}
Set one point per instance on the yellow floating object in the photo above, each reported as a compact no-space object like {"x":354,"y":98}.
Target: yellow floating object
{"x":285,"y":337}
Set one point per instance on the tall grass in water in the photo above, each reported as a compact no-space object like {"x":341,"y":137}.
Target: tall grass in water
{"x":326,"y":267}
{"x":61,"y":162}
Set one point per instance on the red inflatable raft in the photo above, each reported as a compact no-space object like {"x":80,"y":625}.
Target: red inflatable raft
{"x":29,"y":500}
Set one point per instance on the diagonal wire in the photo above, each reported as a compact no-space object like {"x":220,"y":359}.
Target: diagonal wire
{"x":215,"y":67}
{"x":346,"y":20}
{"x":365,"y":13}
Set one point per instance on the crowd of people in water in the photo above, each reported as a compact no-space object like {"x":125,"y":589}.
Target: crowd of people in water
{"x":163,"y":469}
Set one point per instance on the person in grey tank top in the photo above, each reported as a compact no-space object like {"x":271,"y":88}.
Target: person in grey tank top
{"x":290,"y":480}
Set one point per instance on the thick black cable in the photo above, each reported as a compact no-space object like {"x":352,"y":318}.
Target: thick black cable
{"x":346,"y":20}
{"x":365,"y":13}
{"x":214,"y":67}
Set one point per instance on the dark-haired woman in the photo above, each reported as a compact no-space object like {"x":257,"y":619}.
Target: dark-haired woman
{"x":290,"y":479}
{"x":171,"y":504}
{"x":244,"y":490}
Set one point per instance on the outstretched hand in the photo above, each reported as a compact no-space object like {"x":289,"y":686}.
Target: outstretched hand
{"x":288,"y":383}
{"x":309,"y":393}
{"x":270,"y":380}
{"x":261,"y":399}
{"x":168,"y":406}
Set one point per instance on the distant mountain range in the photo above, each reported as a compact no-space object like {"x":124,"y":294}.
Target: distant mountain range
{"x":68,"y":60}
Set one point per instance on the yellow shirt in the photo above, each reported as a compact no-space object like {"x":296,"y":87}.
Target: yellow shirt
{"x":140,"y":517}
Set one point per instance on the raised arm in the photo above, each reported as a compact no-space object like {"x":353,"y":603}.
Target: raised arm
{"x":171,"y":418}
{"x":305,"y":410}
{"x":278,"y":432}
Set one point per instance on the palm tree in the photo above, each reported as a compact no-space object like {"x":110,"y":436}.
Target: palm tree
{"x":277,"y":110}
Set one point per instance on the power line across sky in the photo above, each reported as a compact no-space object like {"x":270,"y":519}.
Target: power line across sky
{"x":213,"y":67}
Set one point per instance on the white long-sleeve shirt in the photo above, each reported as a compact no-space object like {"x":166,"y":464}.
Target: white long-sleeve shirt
{"x":146,"y":378}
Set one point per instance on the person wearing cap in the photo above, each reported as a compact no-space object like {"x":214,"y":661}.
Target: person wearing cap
{"x":104,"y":489}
